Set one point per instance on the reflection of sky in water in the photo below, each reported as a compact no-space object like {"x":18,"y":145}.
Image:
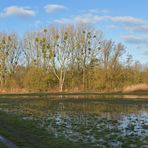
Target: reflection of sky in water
{"x":133,"y":124}
{"x":96,"y":122}
{"x":91,"y":128}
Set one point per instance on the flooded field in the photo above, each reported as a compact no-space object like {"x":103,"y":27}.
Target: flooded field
{"x":95,"y":120}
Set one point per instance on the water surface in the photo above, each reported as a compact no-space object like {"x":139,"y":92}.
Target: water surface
{"x":95,"y":120}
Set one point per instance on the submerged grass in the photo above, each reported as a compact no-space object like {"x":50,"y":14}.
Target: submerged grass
{"x":2,"y":145}
{"x":26,"y":134}
{"x":85,"y":120}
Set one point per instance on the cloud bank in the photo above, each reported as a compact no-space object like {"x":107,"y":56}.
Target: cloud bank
{"x":18,"y":11}
{"x":136,"y":40}
{"x":91,"y":19}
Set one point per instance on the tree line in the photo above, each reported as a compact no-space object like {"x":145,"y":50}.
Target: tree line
{"x":67,"y":58}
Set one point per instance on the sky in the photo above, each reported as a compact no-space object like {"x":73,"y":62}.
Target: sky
{"x":124,"y":21}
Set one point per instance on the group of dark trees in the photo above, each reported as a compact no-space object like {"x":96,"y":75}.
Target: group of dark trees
{"x":69,"y":58}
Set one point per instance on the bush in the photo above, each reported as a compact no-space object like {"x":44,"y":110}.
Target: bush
{"x":36,"y":79}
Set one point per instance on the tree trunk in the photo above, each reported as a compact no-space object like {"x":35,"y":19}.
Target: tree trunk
{"x":60,"y":86}
{"x":84,"y":79}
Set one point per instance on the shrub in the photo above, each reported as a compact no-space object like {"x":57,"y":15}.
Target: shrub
{"x":36,"y":79}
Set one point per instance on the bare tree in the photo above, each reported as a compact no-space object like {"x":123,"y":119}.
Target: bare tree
{"x":52,"y":46}
{"x":87,"y":48}
{"x":110,"y":58}
{"x":9,"y":55}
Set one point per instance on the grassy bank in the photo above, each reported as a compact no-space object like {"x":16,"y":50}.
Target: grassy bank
{"x":25,"y":134}
{"x":45,"y":94}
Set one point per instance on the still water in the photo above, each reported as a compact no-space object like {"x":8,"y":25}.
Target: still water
{"x":96,"y":121}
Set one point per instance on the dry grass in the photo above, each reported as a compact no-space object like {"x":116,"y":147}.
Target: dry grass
{"x":136,"y":88}
{"x":13,"y":90}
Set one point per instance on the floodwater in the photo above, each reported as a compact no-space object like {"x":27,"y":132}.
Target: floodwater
{"x":7,"y":142}
{"x":98,"y":121}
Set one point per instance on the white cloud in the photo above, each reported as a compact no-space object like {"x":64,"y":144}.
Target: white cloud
{"x":63,"y":21}
{"x":125,"y":19}
{"x":53,"y":7}
{"x":131,"y":39}
{"x":90,"y":18}
{"x":146,"y":52}
{"x":96,"y":11}
{"x":17,"y":10}
{"x":140,"y":28}
{"x":86,"y":19}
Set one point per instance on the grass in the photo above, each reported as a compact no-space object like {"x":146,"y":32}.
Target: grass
{"x":72,"y":94}
{"x":136,"y":88}
{"x":2,"y":145}
{"x":25,"y":134}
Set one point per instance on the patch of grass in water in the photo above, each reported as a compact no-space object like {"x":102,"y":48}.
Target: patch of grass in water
{"x":26,"y":134}
{"x":145,"y":127}
{"x":2,"y":145}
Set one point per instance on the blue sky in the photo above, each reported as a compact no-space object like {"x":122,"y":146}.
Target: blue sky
{"x":123,"y":21}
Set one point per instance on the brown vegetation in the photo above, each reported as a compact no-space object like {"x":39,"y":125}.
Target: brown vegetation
{"x":136,"y":88}
{"x":69,"y":58}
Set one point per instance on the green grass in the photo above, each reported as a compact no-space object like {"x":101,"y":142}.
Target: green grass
{"x":2,"y":145}
{"x":25,"y":134}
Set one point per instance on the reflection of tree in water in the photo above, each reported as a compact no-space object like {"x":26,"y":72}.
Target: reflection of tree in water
{"x":94,"y":122}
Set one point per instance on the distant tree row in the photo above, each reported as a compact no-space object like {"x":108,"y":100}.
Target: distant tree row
{"x":68,"y":58}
